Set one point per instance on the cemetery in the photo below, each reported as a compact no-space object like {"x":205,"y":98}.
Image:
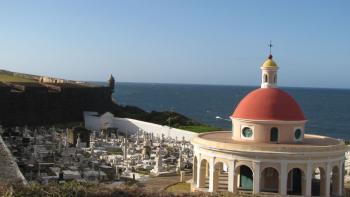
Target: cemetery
{"x":110,"y":156}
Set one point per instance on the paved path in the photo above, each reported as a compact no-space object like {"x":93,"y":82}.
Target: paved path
{"x":9,"y":171}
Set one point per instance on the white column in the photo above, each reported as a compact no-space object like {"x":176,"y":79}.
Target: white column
{"x":308,"y":179}
{"x":199,"y":161}
{"x":328,"y":179}
{"x":207,"y":169}
{"x":283,"y":178}
{"x":194,"y":172}
{"x":231,"y":176}
{"x":211,"y":174}
{"x":341,"y":178}
{"x":256,"y":177}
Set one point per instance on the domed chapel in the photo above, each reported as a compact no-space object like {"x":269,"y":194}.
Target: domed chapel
{"x":268,"y":151}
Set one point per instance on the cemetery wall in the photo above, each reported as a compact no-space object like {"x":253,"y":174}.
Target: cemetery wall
{"x":131,"y":126}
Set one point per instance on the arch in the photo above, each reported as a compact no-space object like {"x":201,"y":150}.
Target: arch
{"x":269,"y":180}
{"x":220,"y":177}
{"x":275,"y":79}
{"x":274,"y":134}
{"x":243,"y":163}
{"x":203,"y":180}
{"x":194,"y":170}
{"x":222,"y":160}
{"x":270,"y":165}
{"x":318,"y":183}
{"x":335,"y":181}
{"x":265,"y":78}
{"x":295,"y":182}
{"x":243,"y":178}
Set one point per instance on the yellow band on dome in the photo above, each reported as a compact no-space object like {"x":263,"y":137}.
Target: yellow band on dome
{"x":269,"y":63}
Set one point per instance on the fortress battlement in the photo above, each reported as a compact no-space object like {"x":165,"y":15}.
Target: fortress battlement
{"x":37,"y":100}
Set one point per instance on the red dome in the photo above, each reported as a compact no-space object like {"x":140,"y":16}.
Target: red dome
{"x":269,"y":104}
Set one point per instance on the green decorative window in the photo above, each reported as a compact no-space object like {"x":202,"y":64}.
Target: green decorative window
{"x":247,"y":132}
{"x":274,"y":134}
{"x":246,"y":178}
{"x":298,"y":134}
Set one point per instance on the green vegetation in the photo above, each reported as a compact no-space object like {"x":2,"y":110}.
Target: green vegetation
{"x":167,"y":118}
{"x":162,"y":118}
{"x":179,"y":188}
{"x":10,"y":77}
{"x":79,"y":189}
{"x":200,"y":128}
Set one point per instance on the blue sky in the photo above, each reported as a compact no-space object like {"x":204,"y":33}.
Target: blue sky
{"x":182,"y":41}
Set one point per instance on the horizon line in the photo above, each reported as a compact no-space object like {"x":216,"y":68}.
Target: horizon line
{"x":204,"y":84}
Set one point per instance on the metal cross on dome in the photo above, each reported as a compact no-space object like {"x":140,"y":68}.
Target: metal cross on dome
{"x":270,"y":45}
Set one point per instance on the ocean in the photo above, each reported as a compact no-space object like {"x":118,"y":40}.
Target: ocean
{"x":327,"y":110}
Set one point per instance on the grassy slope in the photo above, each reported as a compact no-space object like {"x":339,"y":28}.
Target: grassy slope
{"x":199,"y":128}
{"x":9,"y":77}
{"x":179,"y":187}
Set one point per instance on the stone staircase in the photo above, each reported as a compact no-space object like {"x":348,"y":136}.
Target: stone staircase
{"x":223,"y":182}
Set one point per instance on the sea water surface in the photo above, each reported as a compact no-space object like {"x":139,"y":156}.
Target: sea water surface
{"x":327,"y":110}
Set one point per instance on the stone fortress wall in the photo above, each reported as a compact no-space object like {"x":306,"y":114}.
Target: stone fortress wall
{"x":23,"y":103}
{"x":95,"y":122}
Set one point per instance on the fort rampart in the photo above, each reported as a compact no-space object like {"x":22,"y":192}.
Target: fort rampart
{"x":48,"y":103}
